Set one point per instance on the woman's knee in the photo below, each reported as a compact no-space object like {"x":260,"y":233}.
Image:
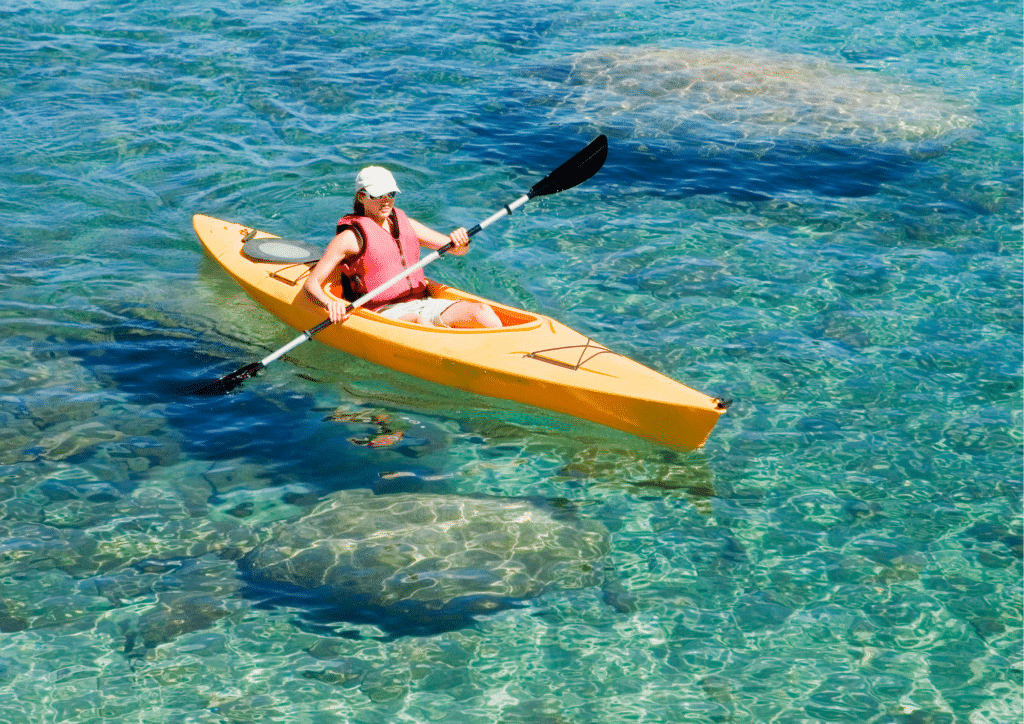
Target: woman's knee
{"x":486,"y":316}
{"x":470,"y":314}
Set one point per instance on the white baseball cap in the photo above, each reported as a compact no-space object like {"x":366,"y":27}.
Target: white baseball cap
{"x":376,"y":181}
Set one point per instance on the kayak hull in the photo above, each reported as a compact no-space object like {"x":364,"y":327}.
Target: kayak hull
{"x":533,"y":359}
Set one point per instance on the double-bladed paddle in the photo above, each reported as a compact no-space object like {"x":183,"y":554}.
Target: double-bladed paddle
{"x":572,"y":173}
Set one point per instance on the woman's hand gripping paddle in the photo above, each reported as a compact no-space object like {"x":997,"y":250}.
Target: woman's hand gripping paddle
{"x":572,"y":173}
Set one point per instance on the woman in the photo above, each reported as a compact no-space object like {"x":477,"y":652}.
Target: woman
{"x":377,"y":241}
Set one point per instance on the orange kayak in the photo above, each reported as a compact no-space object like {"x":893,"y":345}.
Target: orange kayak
{"x":532,"y":359}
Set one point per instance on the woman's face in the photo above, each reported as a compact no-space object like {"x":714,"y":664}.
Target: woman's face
{"x":378,"y":207}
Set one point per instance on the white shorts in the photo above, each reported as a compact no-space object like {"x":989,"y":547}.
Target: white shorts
{"x":427,"y":307}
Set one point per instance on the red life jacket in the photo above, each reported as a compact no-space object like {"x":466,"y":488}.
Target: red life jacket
{"x":383,"y":256}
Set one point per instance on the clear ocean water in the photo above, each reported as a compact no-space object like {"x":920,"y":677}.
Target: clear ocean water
{"x":813,"y":209}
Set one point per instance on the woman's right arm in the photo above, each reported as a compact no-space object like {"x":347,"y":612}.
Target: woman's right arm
{"x":342,"y":246}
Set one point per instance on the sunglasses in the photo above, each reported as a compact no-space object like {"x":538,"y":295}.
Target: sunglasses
{"x":389,"y":195}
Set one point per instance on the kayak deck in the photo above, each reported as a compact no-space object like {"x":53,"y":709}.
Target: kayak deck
{"x":532,"y":359}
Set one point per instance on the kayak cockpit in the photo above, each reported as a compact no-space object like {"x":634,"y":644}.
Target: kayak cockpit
{"x":510,"y":316}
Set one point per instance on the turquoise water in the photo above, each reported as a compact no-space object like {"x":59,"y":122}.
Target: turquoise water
{"x":813,"y":210}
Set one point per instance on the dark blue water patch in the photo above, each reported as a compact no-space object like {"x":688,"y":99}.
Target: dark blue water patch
{"x":326,"y":610}
{"x":871,"y":54}
{"x":281,"y":431}
{"x":756,"y":170}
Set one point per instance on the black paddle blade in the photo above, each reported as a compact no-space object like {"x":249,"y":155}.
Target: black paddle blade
{"x":574,"y":171}
{"x":225,"y":384}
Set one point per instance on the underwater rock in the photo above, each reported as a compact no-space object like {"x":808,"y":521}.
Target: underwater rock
{"x":755,"y":95}
{"x":407,"y":563}
{"x":746,"y":123}
{"x":423,"y":563}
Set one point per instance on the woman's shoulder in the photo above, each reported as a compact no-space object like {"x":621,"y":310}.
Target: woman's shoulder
{"x":349,"y":221}
{"x":348,"y":239}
